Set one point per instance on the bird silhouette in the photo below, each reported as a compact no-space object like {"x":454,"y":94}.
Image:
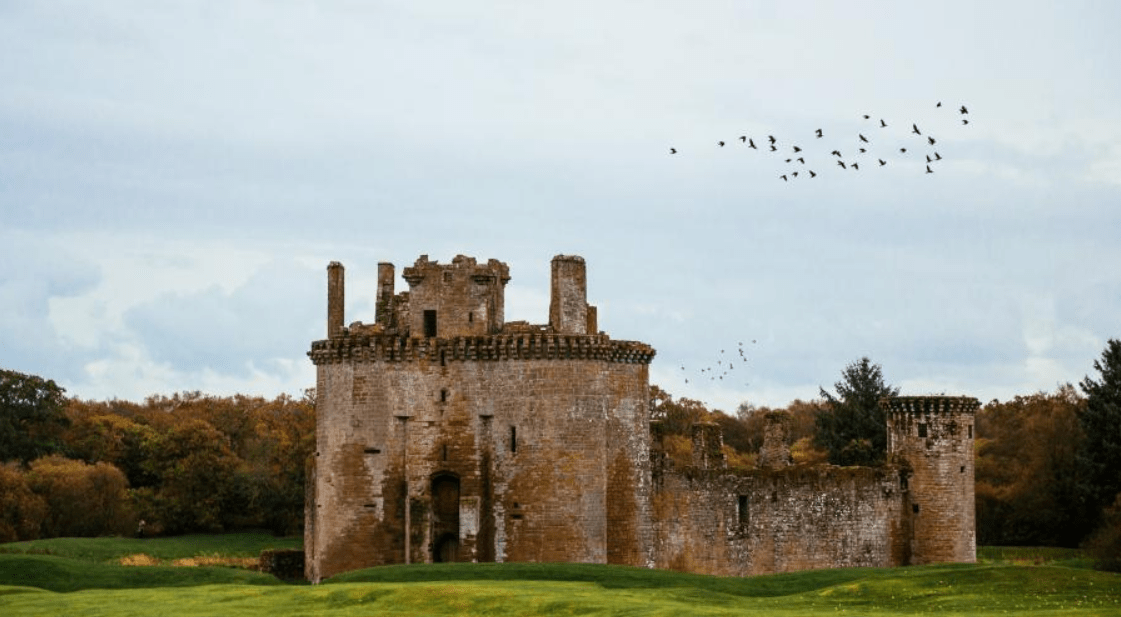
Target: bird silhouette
{"x":772,"y":138}
{"x":929,"y":170}
{"x":743,"y":138}
{"x":783,"y":176}
{"x":802,"y":160}
{"x":937,"y":157}
{"x":836,"y":152}
{"x":904,"y":150}
{"x":862,"y":138}
{"x":928,"y":159}
{"x":882,"y":162}
{"x":866,"y":116}
{"x":964,"y":121}
{"x":720,"y":143}
{"x":795,"y":174}
{"x":862,"y":150}
{"x":939,"y":104}
{"x":818,"y":131}
{"x":856,"y":165}
{"x":812,"y":174}
{"x":797,"y":149}
{"x":673,"y":150}
{"x":751,"y":144}
{"x":915,"y":129}
{"x":773,"y":148}
{"x":842,"y":164}
{"x":882,"y":123}
{"x":931,"y":140}
{"x":964,"y":110}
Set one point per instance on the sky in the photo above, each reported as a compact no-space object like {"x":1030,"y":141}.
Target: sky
{"x":175,"y":177}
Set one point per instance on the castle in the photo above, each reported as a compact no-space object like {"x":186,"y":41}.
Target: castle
{"x":445,"y":433}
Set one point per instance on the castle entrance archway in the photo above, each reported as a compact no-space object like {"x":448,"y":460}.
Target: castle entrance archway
{"x":445,"y":517}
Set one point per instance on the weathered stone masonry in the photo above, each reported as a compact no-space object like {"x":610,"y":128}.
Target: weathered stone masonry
{"x":445,"y":433}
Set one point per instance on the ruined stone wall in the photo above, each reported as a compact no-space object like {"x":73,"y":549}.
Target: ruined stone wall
{"x":543,"y":436}
{"x":782,"y":520}
{"x":465,"y":297}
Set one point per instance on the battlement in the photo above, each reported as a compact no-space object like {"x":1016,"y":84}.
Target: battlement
{"x":517,"y":346}
{"x":928,"y":405}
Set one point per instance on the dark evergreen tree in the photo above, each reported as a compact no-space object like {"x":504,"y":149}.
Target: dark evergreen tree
{"x":1100,"y":457}
{"x":851,"y":425}
{"x":32,"y":416}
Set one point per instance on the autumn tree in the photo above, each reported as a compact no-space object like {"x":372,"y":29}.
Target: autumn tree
{"x":82,"y":500}
{"x":1100,"y":456}
{"x":851,"y":427}
{"x":31,"y":416}
{"x":21,"y":510}
{"x":1026,"y":473}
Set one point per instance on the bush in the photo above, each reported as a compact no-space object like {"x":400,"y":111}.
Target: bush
{"x":1104,"y":545}
{"x":82,"y":500}
{"x":21,"y":510}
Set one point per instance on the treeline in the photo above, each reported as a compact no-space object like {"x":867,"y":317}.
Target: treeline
{"x":184,"y":463}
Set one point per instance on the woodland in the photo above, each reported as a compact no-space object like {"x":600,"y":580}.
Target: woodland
{"x":1046,"y":463}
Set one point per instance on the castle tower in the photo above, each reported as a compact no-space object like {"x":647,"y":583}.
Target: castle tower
{"x":931,"y":438}
{"x":335,"y":299}
{"x":568,"y":302}
{"x":445,"y":434}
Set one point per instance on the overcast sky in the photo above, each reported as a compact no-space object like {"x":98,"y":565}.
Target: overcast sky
{"x":175,"y":177}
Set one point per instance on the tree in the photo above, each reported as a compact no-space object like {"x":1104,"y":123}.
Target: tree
{"x":32,"y":416}
{"x":851,"y":427}
{"x":1100,"y":456}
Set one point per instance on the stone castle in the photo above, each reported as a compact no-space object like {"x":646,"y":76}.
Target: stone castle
{"x":445,"y":433}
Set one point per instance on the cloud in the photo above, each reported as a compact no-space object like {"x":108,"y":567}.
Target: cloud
{"x":269,"y":319}
{"x":34,"y":273}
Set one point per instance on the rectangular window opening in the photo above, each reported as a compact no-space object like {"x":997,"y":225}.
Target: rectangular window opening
{"x":445,"y":453}
{"x":742,"y":511}
{"x":444,"y":395}
{"x":470,"y":317}
{"x":971,"y":431}
{"x":372,"y":451}
{"x":915,"y":508}
{"x":513,"y":439}
{"x":429,"y":323}
{"x":922,"y":429}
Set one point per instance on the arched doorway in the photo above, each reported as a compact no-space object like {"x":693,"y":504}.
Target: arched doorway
{"x":445,"y":517}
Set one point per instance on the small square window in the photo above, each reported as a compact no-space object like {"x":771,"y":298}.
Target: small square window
{"x":922,"y":429}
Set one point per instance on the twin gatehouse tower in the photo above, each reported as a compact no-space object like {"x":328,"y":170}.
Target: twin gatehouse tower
{"x":445,"y":433}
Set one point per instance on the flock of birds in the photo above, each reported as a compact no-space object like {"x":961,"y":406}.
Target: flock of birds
{"x":851,"y":156}
{"x":722,"y":367}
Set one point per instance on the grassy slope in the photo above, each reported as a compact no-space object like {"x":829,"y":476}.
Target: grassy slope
{"x":539,"y":589}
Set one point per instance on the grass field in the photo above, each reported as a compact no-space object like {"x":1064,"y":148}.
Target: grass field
{"x":81,"y":577}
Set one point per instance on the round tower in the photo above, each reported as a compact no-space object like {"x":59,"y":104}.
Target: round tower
{"x":931,"y":439}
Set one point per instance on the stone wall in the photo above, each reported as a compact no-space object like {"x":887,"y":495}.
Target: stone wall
{"x":796,"y":518}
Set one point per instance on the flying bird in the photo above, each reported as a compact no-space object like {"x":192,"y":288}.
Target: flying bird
{"x":802,"y":160}
{"x":929,"y":170}
{"x":836,"y":153}
{"x":939,"y":104}
{"x":904,"y":150}
{"x":866,"y":116}
{"x":673,"y":150}
{"x":772,"y":138}
{"x":856,"y":165}
{"x":773,"y":148}
{"x":743,"y":138}
{"x":928,"y":159}
{"x":818,"y":131}
{"x":937,"y":157}
{"x":812,"y":174}
{"x":862,"y":150}
{"x":882,"y":162}
{"x":720,"y":143}
{"x":964,"y":110}
{"x":842,"y":164}
{"x":862,"y":138}
{"x":964,"y":121}
{"x":930,"y":139}
{"x":797,"y":149}
{"x":751,"y":144}
{"x":882,"y":123}
{"x":783,"y":176}
{"x":915,"y":129}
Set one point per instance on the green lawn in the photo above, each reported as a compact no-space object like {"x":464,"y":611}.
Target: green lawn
{"x":991,"y":588}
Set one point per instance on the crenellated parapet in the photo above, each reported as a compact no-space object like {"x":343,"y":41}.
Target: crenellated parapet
{"x":927,"y":405}
{"x":519,"y":346}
